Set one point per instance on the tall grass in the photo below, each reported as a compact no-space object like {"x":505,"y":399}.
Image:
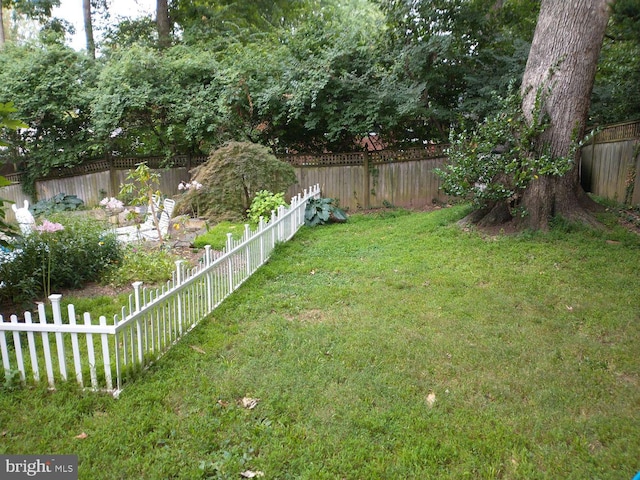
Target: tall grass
{"x":394,"y":346}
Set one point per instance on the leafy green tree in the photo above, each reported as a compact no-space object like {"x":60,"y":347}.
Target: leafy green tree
{"x":147,"y":103}
{"x":616,"y":93}
{"x":51,"y":86}
{"x":51,"y":29}
{"x":221,"y":23}
{"x":328,"y":91}
{"x":462,"y":52}
{"x":128,"y":32}
{"x":522,"y":164}
{"x":321,"y":86}
{"x":36,"y":9}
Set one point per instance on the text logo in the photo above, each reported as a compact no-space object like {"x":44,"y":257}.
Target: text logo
{"x":45,"y":467}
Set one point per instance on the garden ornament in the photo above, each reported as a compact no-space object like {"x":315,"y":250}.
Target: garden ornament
{"x":24,"y":218}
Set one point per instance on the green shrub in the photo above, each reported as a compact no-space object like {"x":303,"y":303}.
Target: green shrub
{"x":321,"y":210}
{"x":44,"y":262}
{"x":263,"y":204}
{"x":151,"y":266}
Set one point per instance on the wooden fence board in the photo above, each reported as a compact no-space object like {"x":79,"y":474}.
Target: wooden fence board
{"x":409,"y":184}
{"x":608,"y":167}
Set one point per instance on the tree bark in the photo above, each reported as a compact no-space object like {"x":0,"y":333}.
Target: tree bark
{"x":2,"y":37}
{"x":163,"y":23}
{"x":88,"y":28}
{"x":562,"y":62}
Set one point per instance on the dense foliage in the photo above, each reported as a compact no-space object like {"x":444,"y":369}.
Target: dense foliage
{"x":616,"y":93}
{"x":51,"y":86}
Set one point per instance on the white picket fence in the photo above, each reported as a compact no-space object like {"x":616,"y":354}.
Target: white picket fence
{"x":103,"y":355}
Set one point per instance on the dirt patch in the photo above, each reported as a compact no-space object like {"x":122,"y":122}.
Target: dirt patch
{"x":308,"y":316}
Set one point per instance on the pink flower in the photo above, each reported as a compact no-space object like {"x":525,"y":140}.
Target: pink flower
{"x":111,"y":203}
{"x":49,"y":227}
{"x":190,"y":185}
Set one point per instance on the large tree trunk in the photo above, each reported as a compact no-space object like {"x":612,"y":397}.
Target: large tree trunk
{"x":163,"y":23}
{"x":563,"y":58}
{"x":2,"y":38}
{"x":88,"y":28}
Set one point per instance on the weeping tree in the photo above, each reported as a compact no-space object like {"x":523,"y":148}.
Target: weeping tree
{"x":523,"y":163}
{"x":230,"y":179}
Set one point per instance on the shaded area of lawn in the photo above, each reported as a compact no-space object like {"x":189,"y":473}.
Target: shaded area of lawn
{"x":393,"y":346}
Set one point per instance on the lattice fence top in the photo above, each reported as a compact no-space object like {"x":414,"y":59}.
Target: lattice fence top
{"x":375,"y":157}
{"x":410,"y":154}
{"x":125,"y":163}
{"x":618,"y":132}
{"x":297,"y":160}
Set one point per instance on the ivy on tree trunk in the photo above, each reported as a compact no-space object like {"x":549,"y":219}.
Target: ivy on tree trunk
{"x":562,"y":61}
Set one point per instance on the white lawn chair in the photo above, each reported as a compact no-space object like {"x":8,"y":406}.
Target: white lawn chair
{"x":163,"y":222}
{"x":133,"y":232}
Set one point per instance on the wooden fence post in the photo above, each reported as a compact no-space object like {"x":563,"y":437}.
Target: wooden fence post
{"x":113,"y":178}
{"x":366,"y":201}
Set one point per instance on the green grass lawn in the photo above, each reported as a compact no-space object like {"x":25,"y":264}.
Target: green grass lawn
{"x":395,"y":346}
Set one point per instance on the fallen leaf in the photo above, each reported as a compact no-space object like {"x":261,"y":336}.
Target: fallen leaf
{"x":222,"y":403}
{"x":252,"y":474}
{"x":313,"y":272}
{"x":249,"y":403}
{"x":431,"y":399}
{"x":82,"y":436}
{"x":198,"y":349}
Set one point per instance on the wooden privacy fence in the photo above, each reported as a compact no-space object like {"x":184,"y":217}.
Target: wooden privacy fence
{"x":403,"y":178}
{"x":93,"y":180}
{"x":611,"y":162}
{"x":102,"y":355}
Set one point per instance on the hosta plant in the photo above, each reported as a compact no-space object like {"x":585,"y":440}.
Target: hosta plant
{"x":322,"y":210}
